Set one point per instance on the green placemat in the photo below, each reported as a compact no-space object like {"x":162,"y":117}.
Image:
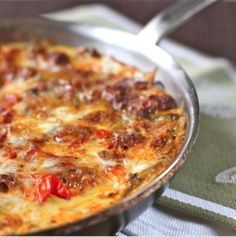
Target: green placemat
{"x":206,"y":184}
{"x":209,"y":175}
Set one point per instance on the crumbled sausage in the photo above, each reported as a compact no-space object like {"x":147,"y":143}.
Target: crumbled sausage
{"x":12,"y":221}
{"x":91,"y":52}
{"x":3,"y":188}
{"x":6,"y":115}
{"x":59,"y":58}
{"x":141,"y":85}
{"x":94,"y":53}
{"x":166,"y":102}
{"x":6,"y":181}
{"x":159,"y":142}
{"x":156,"y":103}
{"x":110,"y":154}
{"x":10,"y":55}
{"x":118,"y":94}
{"x":96,"y":117}
{"x":106,"y":155}
{"x":33,"y":91}
{"x":135,"y":180}
{"x":79,"y":178}
{"x":96,"y":94}
{"x":9,"y":178}
{"x":73,"y":134}
{"x":3,"y":133}
{"x":35,"y":52}
{"x":7,"y":75}
{"x":122,"y":96}
{"x":27,"y":72}
{"x":126,"y":141}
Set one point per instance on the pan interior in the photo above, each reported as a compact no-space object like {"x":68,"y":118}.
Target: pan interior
{"x":125,"y":47}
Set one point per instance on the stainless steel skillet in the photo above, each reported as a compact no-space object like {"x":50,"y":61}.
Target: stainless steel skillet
{"x":139,"y":51}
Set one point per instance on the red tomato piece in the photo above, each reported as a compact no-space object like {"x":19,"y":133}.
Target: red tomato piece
{"x":118,"y":170}
{"x":10,"y":100}
{"x":12,"y":154}
{"x":29,"y":155}
{"x":48,"y":185}
{"x":102,"y":134}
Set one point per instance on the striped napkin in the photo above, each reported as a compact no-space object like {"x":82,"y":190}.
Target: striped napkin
{"x":201,"y":199}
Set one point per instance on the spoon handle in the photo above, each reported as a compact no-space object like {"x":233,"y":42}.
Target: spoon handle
{"x":171,"y":18}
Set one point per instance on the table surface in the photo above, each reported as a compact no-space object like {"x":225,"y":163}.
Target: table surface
{"x":212,"y":31}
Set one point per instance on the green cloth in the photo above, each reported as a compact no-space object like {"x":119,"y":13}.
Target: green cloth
{"x":213,"y":153}
{"x":210,"y":172}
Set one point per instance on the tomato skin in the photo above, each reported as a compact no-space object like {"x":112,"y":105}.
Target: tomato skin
{"x":48,"y":185}
{"x":10,"y":100}
{"x":118,"y":170}
{"x":11,"y":154}
{"x":103,"y":134}
{"x":30,"y":153}
{"x":7,"y":101}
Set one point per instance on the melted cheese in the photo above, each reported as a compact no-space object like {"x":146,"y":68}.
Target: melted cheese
{"x":79,"y":116}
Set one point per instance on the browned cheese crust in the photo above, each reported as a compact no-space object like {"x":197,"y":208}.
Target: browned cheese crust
{"x":79,"y":132}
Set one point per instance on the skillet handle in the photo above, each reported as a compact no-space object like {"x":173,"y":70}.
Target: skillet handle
{"x":169,"y":19}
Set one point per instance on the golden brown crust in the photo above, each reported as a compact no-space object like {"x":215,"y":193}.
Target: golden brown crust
{"x":78,"y":132}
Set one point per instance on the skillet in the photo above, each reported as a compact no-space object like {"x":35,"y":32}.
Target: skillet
{"x":141,"y":52}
